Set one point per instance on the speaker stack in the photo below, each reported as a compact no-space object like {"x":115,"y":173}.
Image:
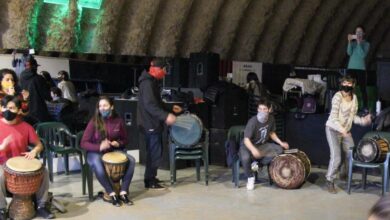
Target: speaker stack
{"x":204,"y":70}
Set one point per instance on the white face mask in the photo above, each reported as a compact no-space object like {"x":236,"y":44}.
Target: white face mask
{"x":262,"y":117}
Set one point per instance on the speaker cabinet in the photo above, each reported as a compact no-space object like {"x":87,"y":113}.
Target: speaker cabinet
{"x":127,"y":110}
{"x":177,"y":73}
{"x":383,"y":79}
{"x":204,"y":70}
{"x":217,"y":146}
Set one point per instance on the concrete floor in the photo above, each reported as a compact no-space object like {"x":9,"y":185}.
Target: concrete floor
{"x":189,"y":199}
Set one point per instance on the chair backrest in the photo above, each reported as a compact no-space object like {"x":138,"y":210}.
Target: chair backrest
{"x":55,"y":134}
{"x":382,"y":134}
{"x":236,"y":133}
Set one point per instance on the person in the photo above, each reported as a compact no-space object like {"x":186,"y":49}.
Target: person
{"x":15,"y":136}
{"x":343,"y":113}
{"x":106,"y":132}
{"x":20,"y":63}
{"x":8,"y":86}
{"x":255,"y":145}
{"x":357,"y":51}
{"x":60,"y":109}
{"x":49,"y":80}
{"x":66,"y":86}
{"x":39,"y":93}
{"x":381,"y":209}
{"x":151,"y":115}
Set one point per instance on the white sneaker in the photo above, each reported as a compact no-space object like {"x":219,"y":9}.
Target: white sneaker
{"x":250,"y":185}
{"x":255,"y":166}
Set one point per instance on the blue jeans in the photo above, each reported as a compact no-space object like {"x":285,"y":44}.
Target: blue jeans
{"x":94,"y":160}
{"x":153,"y":141}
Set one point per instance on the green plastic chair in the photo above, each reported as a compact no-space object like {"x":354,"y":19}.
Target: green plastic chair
{"x":87,"y":174}
{"x":383,"y":166}
{"x":57,"y":139}
{"x":197,"y":152}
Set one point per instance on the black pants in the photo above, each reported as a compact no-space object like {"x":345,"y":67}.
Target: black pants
{"x":361,"y":79}
{"x":153,"y":141}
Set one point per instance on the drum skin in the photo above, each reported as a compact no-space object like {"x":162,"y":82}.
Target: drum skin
{"x":23,"y":176}
{"x":289,"y":171}
{"x":187,"y":130}
{"x":372,"y":150}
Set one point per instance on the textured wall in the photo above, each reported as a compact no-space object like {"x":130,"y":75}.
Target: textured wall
{"x":299,"y":32}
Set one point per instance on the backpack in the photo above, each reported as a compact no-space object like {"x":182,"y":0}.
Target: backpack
{"x":309,"y":104}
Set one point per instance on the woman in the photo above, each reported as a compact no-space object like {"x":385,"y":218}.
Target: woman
{"x":8,"y":85}
{"x":106,"y":132}
{"x":357,"y":51}
{"x":338,"y":126}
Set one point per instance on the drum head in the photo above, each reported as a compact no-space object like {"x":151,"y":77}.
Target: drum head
{"x":288,"y":171}
{"x":21,"y":164}
{"x":187,"y":130}
{"x":367,"y":150}
{"x":114,"y":157}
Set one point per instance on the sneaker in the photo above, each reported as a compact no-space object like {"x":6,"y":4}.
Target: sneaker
{"x":154,"y":186}
{"x":250,"y":185}
{"x":115,"y":201}
{"x":331,"y":188}
{"x":125,"y":199}
{"x":45,"y":213}
{"x":3,"y":214}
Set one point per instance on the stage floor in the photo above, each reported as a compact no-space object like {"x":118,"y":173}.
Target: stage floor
{"x":189,"y":199}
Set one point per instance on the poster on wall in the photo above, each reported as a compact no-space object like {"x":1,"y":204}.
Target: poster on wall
{"x":241,"y":70}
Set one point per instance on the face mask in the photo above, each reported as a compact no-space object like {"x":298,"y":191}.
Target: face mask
{"x":157,"y":72}
{"x":262,"y":117}
{"x":6,"y":85}
{"x":346,"y":88}
{"x":105,"y":113}
{"x":9,"y":116}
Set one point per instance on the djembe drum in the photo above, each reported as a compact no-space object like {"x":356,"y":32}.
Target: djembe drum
{"x":23,"y":177}
{"x":115,"y":164}
{"x":187,"y":130}
{"x":372,"y":150}
{"x":290,"y":170}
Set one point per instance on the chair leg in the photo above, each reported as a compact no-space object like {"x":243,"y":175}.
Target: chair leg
{"x":89,"y":182}
{"x":197,"y":162}
{"x":236,"y":173}
{"x":172,"y":167}
{"x":384,"y":180}
{"x":50,"y":165}
{"x":364,"y":178}
{"x":206,"y":165}
{"x":66,"y":163}
{"x":83,"y":178}
{"x":271,"y":182}
{"x":350,"y":168}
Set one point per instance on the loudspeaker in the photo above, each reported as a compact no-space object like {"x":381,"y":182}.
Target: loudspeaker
{"x":383,"y":79}
{"x":217,"y":152}
{"x":127,"y":110}
{"x":230,"y":107}
{"x":204,"y":70}
{"x":177,"y":73}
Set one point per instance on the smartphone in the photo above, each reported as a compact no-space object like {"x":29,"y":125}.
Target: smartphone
{"x":354,"y":37}
{"x":31,"y":51}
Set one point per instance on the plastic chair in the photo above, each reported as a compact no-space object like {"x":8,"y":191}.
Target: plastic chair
{"x":86,"y":171}
{"x":384,"y":166}
{"x":236,"y":134}
{"x":57,"y":139}
{"x":197,"y":152}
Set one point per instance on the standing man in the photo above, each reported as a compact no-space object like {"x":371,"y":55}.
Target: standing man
{"x":151,"y":116}
{"x":66,"y":86}
{"x":39,"y":92}
{"x":357,"y":51}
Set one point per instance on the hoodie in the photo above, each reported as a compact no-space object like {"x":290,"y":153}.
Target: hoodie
{"x":151,"y":113}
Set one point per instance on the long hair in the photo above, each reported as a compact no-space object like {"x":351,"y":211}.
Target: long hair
{"x":98,"y":119}
{"x":4,"y":72}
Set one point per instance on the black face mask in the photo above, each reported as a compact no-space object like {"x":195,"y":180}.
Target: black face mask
{"x":346,"y":88}
{"x":9,"y":116}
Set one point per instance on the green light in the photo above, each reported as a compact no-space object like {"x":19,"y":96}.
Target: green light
{"x":94,"y":4}
{"x":59,"y":2}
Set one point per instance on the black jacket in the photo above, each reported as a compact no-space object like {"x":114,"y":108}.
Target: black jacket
{"x":151,"y":113}
{"x":39,"y":93}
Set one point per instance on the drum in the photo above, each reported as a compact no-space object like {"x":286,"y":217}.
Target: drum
{"x":372,"y":150}
{"x":187,"y":130}
{"x":115,"y":164}
{"x":23,"y":177}
{"x":290,"y":170}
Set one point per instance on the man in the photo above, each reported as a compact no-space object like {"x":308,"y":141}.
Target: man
{"x":259,"y":129}
{"x":66,"y":86}
{"x":38,"y":90}
{"x":151,"y":115}
{"x":15,"y":136}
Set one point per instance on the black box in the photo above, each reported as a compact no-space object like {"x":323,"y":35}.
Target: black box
{"x":204,"y":70}
{"x":217,"y":155}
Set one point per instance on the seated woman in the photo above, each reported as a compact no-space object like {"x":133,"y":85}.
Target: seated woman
{"x":106,"y":132}
{"x":9,"y":82}
{"x":15,"y":136}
